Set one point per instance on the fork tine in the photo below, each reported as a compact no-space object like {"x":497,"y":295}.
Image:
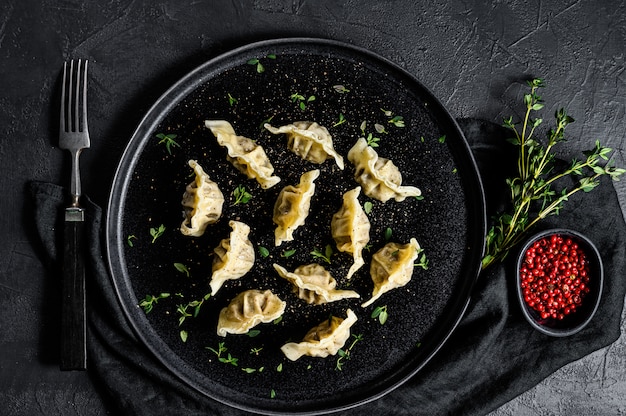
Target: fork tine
{"x":62,"y":125}
{"x":84,"y":112}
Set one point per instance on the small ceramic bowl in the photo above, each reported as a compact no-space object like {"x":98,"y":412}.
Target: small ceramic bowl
{"x":557,"y":291}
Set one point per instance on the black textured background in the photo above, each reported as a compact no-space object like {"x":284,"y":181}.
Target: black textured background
{"x":470,"y":54}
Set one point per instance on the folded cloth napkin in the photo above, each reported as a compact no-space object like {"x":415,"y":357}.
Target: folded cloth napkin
{"x":493,"y":355}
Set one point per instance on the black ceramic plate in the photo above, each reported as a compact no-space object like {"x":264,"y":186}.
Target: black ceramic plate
{"x":431,"y":153}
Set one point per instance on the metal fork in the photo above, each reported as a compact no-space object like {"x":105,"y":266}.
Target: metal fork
{"x":74,"y":136}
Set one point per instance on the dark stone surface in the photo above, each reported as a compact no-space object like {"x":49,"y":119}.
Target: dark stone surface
{"x":471,"y":54}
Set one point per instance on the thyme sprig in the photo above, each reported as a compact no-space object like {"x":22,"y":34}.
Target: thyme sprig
{"x":533,"y":191}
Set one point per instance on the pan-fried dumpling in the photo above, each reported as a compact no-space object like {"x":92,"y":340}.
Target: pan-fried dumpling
{"x":309,"y":140}
{"x":234,"y":256}
{"x":323,"y":340}
{"x":292,"y":206}
{"x":314,"y":284}
{"x":202,"y":203}
{"x":247,"y":310}
{"x":245,"y":155}
{"x":350,"y":228}
{"x":392,"y":267}
{"x":379,"y":177}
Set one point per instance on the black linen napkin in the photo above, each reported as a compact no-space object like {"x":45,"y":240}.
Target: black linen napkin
{"x":493,"y":355}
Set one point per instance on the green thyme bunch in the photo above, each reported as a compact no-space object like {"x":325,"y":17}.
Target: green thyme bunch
{"x":534,"y":191}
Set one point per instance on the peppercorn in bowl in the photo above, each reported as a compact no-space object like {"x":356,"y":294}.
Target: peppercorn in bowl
{"x":559,"y":279}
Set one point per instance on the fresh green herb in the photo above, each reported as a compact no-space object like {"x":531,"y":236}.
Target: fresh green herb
{"x":363,"y":126}
{"x":183,"y":335}
{"x":380,"y":129}
{"x":340,"y":89}
{"x":372,"y":141}
{"x":423,"y":261}
{"x":257,"y":62}
{"x":129,"y":240}
{"x":301,"y":100}
{"x":168,"y":140}
{"x":232,"y":100}
{"x":256,"y":351}
{"x":182,"y":268}
{"x":264,"y":122}
{"x":419,"y":197}
{"x":182,"y":311}
{"x":381,"y":313}
{"x":532,"y":191}
{"x":195,"y":305}
{"x":221,"y":348}
{"x":342,"y":119}
{"x":277,"y":320}
{"x":345,"y":355}
{"x":272,"y":394}
{"x":367,"y":207}
{"x":264,"y":252}
{"x":442,"y":139}
{"x":157,"y":232}
{"x":149,"y":301}
{"x":241,"y":195}
{"x":279,"y":368}
{"x":253,"y":333}
{"x":325,"y":256}
{"x":288,"y":253}
{"x":388,"y":234}
{"x":397,"y":121}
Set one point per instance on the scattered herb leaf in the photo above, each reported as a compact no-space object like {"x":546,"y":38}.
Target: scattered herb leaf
{"x":149,"y":301}
{"x":157,"y":232}
{"x":241,"y":195}
{"x":345,"y":355}
{"x":342,"y":119}
{"x":263,"y":252}
{"x":325,"y":256}
{"x":130,"y":239}
{"x":380,"y":312}
{"x":288,"y":253}
{"x":168,"y":140}
{"x":423,"y":261}
{"x":182,"y":268}
{"x":372,"y":141}
{"x":340,"y":89}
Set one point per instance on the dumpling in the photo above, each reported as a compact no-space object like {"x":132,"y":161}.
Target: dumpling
{"x":392,"y":267}
{"x":234,"y":256}
{"x":249,"y":309}
{"x":314,"y":284}
{"x":309,"y":140}
{"x":379,"y":177}
{"x":350,"y":228}
{"x":323,"y":340}
{"x":202,"y":203}
{"x":245,"y":155}
{"x":292,"y":206}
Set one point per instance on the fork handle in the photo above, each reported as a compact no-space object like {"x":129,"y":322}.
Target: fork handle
{"x":73,"y":309}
